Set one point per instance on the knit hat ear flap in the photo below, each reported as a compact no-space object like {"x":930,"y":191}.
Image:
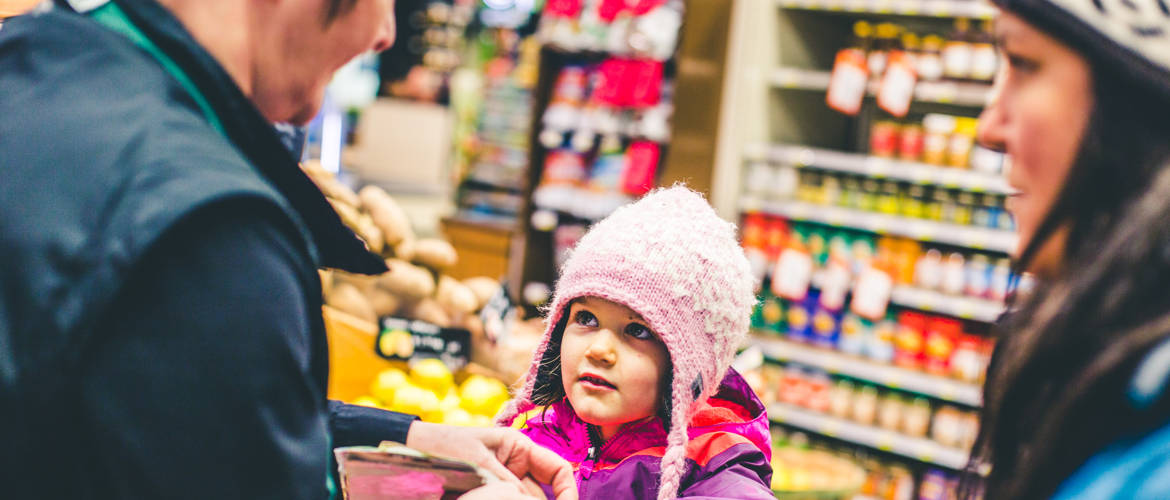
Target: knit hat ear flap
{"x":674,"y":460}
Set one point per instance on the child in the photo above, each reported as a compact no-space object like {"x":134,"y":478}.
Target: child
{"x":634,"y":368}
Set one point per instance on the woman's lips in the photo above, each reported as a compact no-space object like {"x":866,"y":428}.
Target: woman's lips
{"x":597,"y":382}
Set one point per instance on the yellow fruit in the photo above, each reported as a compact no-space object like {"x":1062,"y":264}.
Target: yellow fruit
{"x":482,"y":395}
{"x":386,"y":383}
{"x":432,"y":374}
{"x":417,"y":401}
{"x":368,"y":401}
{"x":450,"y":402}
{"x":458,"y":416}
{"x":397,"y":343}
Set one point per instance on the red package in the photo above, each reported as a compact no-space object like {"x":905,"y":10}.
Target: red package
{"x":645,"y":86}
{"x":563,"y":8}
{"x":754,"y":225}
{"x":608,"y":10}
{"x":641,"y":167}
{"x":941,"y":340}
{"x":775,"y":238}
{"x":910,"y":339}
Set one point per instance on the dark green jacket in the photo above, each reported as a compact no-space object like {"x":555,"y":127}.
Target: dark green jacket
{"x":160,"y":328}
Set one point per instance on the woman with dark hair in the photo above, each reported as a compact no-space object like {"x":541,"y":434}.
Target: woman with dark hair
{"x":1076,"y":405}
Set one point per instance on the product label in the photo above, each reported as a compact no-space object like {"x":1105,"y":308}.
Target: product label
{"x":848,"y":81}
{"x":984,"y":60}
{"x":834,"y":286}
{"x":403,"y":339}
{"x":897,"y":87}
{"x":793,"y":274}
{"x":871,"y":294}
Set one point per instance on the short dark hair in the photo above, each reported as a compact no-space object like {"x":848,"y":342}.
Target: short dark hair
{"x":337,"y":8}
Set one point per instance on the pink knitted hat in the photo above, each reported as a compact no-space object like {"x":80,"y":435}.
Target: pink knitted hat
{"x":677,"y":264}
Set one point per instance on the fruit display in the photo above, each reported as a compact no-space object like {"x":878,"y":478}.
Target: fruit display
{"x":429,"y":390}
{"x":415,"y":287}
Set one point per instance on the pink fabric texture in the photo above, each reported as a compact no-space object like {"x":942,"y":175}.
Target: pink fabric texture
{"x":670,"y":258}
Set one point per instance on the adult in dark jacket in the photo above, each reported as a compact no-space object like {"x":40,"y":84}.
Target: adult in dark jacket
{"x":160,"y":328}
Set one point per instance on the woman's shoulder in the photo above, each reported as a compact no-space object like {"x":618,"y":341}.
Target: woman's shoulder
{"x":1135,"y":469}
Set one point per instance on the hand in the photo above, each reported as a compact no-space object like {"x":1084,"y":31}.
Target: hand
{"x":498,"y":491}
{"x":505,"y":452}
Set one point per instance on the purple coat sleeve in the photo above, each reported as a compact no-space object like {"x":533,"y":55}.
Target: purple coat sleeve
{"x":740,"y":472}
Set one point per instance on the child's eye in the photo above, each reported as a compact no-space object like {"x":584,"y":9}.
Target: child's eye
{"x":1020,"y":64}
{"x":639,"y":331}
{"x":585,"y":318}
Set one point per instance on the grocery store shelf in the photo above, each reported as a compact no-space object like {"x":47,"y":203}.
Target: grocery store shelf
{"x":971,"y":308}
{"x":880,"y":168}
{"x":882,"y":374}
{"x":579,"y":202}
{"x":921,"y":8}
{"x":957,"y":93}
{"x":920,"y":449}
{"x":976,"y":238}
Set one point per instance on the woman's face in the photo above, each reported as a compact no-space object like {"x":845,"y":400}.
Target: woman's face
{"x":1039,"y":110}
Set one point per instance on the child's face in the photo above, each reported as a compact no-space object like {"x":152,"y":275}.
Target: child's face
{"x":612,"y":364}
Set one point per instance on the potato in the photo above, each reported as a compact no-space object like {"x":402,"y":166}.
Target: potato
{"x":407,"y":281}
{"x":347,"y":298}
{"x":455,"y":296}
{"x":362,"y":282}
{"x":405,"y":249}
{"x":369,"y":232}
{"x":435,"y":254}
{"x":326,"y":281}
{"x":430,"y":311}
{"x":484,"y":289}
{"x":387,"y":215}
{"x":350,"y":216}
{"x":383,"y":302}
{"x":329,"y":185}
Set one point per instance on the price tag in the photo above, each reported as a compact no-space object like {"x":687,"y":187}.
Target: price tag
{"x":897,"y":87}
{"x":793,"y":274}
{"x":876,"y":167}
{"x":882,"y":7}
{"x":832,"y":365}
{"x":885,"y":441}
{"x":926,"y":453}
{"x":848,"y":81}
{"x":948,"y":391}
{"x":965,"y":310}
{"x":894,"y":380}
{"x":834,"y":286}
{"x":879,"y":224}
{"x":836,"y":218}
{"x":871,"y":294}
{"x":830,"y":428}
{"x":921,"y":232}
{"x":975,"y":239}
{"x":787,"y":78}
{"x":946,"y":93}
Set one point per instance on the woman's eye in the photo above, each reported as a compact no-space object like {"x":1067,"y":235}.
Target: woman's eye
{"x":585,"y":318}
{"x":1021,"y":64}
{"x":639,"y":331}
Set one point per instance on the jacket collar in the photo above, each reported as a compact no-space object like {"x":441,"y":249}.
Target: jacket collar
{"x":254,"y":137}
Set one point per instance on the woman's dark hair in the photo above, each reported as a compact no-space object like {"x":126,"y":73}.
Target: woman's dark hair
{"x":1056,"y":389}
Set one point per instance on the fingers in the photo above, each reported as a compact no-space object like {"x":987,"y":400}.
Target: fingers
{"x":530,"y":487}
{"x":526,"y":459}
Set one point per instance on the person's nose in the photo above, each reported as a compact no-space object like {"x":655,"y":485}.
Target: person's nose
{"x":386,"y":33}
{"x":603,"y":349}
{"x":993,"y":119}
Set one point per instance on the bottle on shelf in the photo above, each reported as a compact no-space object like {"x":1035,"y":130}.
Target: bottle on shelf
{"x":957,"y":51}
{"x":984,"y":58}
{"x":930,"y":62}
